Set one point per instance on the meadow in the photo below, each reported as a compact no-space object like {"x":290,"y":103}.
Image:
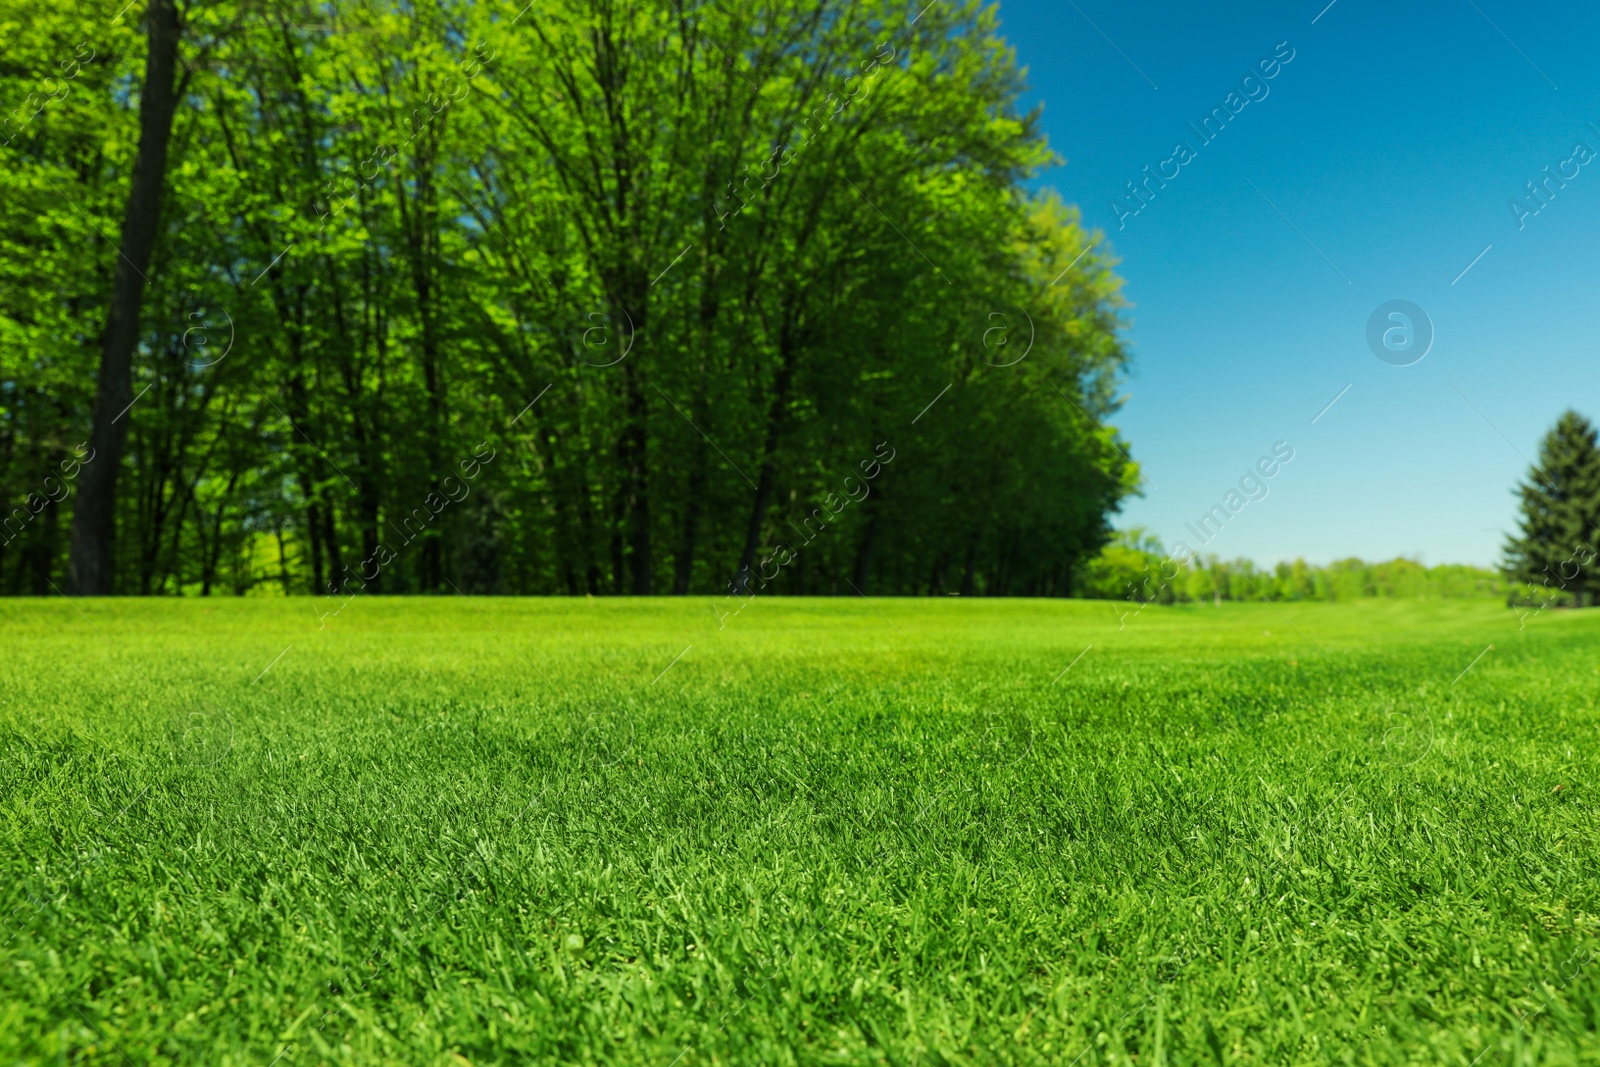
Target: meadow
{"x":473,"y":831}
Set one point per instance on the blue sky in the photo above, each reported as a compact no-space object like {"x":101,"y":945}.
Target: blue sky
{"x":1378,"y":166}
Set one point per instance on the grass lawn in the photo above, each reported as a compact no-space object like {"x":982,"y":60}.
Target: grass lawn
{"x":447,"y":831}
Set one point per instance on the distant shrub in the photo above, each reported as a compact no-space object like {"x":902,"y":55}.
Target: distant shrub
{"x":1134,"y":566}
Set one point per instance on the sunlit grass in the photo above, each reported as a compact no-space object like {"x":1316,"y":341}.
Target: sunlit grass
{"x":948,"y":831}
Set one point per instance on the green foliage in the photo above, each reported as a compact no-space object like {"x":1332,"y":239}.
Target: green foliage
{"x":491,"y":831}
{"x":684,"y":268}
{"x":1552,"y":557}
{"x":1133,"y":565}
{"x":1129,"y":565}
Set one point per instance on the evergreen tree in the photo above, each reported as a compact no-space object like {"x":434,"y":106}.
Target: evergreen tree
{"x":1561,"y":513}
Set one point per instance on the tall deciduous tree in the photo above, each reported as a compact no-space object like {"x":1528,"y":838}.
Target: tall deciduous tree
{"x":94,"y":519}
{"x":592,"y":296}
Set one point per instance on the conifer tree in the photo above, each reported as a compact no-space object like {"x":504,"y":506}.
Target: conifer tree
{"x":1560,"y":520}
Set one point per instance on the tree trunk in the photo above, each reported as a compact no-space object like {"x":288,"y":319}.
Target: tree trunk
{"x":637,"y":478}
{"x":420,"y":220}
{"x":683,"y":566}
{"x":752,"y":535}
{"x":94,"y":517}
{"x":44,"y":549}
{"x":869,"y":537}
{"x":210,"y":561}
{"x":313,"y":534}
{"x":330,"y":541}
{"x":968,"y":584}
{"x":283,"y":561}
{"x":776,"y":414}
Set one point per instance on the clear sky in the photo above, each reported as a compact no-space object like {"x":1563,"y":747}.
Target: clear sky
{"x":1376,"y":165}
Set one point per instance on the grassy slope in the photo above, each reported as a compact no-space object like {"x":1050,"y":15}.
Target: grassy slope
{"x":833,"y":832}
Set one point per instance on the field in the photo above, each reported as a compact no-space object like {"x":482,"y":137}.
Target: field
{"x":447,"y":831}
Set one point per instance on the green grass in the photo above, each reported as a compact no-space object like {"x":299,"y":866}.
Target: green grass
{"x":494,"y":831}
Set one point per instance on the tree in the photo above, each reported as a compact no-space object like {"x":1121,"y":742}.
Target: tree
{"x":679,"y":273}
{"x":94,"y":519}
{"x":1560,"y":512}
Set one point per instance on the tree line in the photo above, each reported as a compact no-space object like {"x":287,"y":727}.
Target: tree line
{"x":663,"y":276}
{"x":1135,"y":566}
{"x":1550,"y":562}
